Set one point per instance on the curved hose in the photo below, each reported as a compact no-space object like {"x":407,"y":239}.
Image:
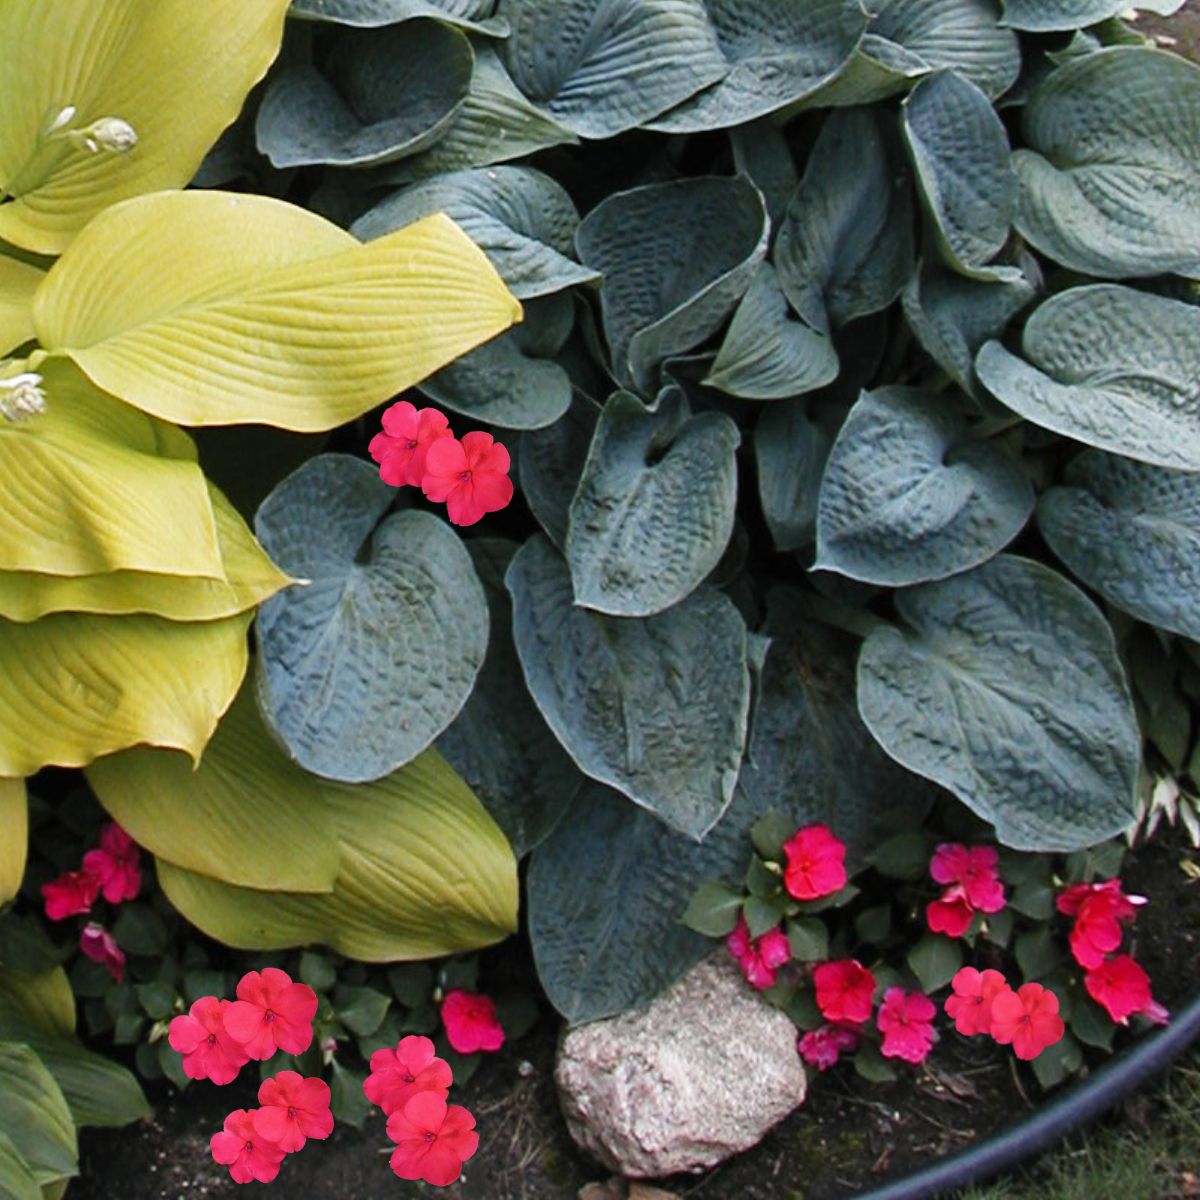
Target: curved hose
{"x":1071,"y":1111}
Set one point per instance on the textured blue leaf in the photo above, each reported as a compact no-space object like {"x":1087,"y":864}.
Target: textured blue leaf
{"x":550,"y":463}
{"x":1046,"y":16}
{"x":474,"y":15}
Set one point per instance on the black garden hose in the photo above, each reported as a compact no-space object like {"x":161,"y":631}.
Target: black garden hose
{"x":1074,"y":1109}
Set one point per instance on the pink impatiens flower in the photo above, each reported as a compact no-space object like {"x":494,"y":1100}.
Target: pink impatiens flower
{"x":116,"y":864}
{"x":400,"y":449}
{"x":821,"y":1048}
{"x":398,"y":1075}
{"x":1098,"y":909}
{"x":970,"y":1007}
{"x":471,"y":1022}
{"x":247,"y":1155}
{"x":845,"y":990}
{"x":209,"y":1050}
{"x":271,"y":1012}
{"x":292,"y":1110}
{"x":759,"y":957}
{"x":70,"y":894}
{"x":816,"y":863}
{"x":432,"y":1139}
{"x":906,"y":1021}
{"x":1120,"y":986}
{"x":951,"y":913}
{"x":471,"y":476}
{"x":975,"y":869}
{"x":100,"y":946}
{"x":1027,"y":1018}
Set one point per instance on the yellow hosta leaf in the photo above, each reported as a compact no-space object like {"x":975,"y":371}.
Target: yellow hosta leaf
{"x":75,"y":686}
{"x":177,"y":71}
{"x":251,"y":578}
{"x":423,"y":870}
{"x":18,"y":282}
{"x":14,"y":837}
{"x":92,"y":485}
{"x":208,"y":308}
{"x":45,"y":999}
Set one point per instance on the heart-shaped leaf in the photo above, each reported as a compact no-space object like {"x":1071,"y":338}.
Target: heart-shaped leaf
{"x":654,"y":706}
{"x":1113,"y":165}
{"x":907,"y":496}
{"x":1047,"y":16}
{"x":960,"y":153}
{"x":675,"y":257}
{"x":778,"y":52}
{"x":1006,"y":688}
{"x":550,"y":463}
{"x":654,"y":508}
{"x":382,"y":94}
{"x":474,"y":15}
{"x":1110,"y":367}
{"x":393,"y":613}
{"x":601,"y":67}
{"x":35,"y":1115}
{"x":271,"y":314}
{"x":1132,"y":533}
{"x":18,"y":282}
{"x":523,"y":220}
{"x":14,"y":820}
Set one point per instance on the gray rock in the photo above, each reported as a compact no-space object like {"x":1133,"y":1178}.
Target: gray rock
{"x":698,"y":1075}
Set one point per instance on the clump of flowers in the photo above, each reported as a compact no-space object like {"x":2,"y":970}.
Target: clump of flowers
{"x":1027,"y":1019}
{"x":972,"y":879}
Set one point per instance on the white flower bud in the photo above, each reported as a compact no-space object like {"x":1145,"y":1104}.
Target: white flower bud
{"x":108,"y":133}
{"x":64,"y":118}
{"x":21,"y":397}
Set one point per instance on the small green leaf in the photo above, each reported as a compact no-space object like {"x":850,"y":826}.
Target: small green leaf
{"x":808,"y":938}
{"x":713,"y":910}
{"x":347,"y":1099}
{"x":317,"y":971}
{"x":1091,"y":1024}
{"x":760,"y":881}
{"x":998,"y":927}
{"x":905,"y":857}
{"x":361,"y":1009}
{"x":770,"y":832}
{"x":871,"y":1065}
{"x":1037,"y":953}
{"x":803,"y":1010}
{"x":411,"y":983}
{"x":127,"y":1030}
{"x":1034,"y":900}
{"x":761,"y":915}
{"x":156,"y":998}
{"x":140,"y":930}
{"x":935,"y":960}
{"x":1058,"y":1063}
{"x":874,"y":925}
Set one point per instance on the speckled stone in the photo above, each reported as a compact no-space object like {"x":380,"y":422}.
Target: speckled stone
{"x":698,"y":1075}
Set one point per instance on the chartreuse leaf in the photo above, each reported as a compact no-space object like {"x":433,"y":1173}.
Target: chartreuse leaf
{"x":16,"y":1179}
{"x":654,"y":508}
{"x":18,"y":282}
{"x":105,"y":683}
{"x":422,"y":869}
{"x":14,"y":822}
{"x":1111,"y":367}
{"x":778,"y":51}
{"x":393,"y":608}
{"x":381,"y":94}
{"x":603,"y":68}
{"x":1132,"y":533}
{"x":264,"y":313}
{"x":907,"y":496}
{"x":1113,"y":164}
{"x":523,"y":220}
{"x":655,"y":706}
{"x":845,"y":247}
{"x":1005,"y":687}
{"x":176,"y":71}
{"x":369,"y":14}
{"x":550,"y":463}
{"x":675,"y":257}
{"x":35,"y":1115}
{"x":46,"y":998}
{"x":1045,"y":16}
{"x":960,"y":153}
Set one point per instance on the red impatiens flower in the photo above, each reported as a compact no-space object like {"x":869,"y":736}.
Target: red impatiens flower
{"x":845,"y":991}
{"x":293,"y":1110}
{"x":116,"y":864}
{"x":1120,"y":986}
{"x":1098,"y":909}
{"x":471,"y":476}
{"x":906,"y":1021}
{"x":100,"y":946}
{"x":821,"y":1048}
{"x":1027,"y":1018}
{"x":433,"y":1139}
{"x":471,"y":1022}
{"x":272,"y":1012}
{"x":759,"y":957}
{"x":70,"y":894}
{"x":209,"y":1050}
{"x":951,"y":914}
{"x":974,"y":869}
{"x":400,"y":449}
{"x":816,"y":863}
{"x":398,"y":1075}
{"x":246,"y":1153}
{"x":970,"y":1008}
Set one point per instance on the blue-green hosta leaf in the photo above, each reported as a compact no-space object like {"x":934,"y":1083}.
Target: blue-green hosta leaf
{"x":778,"y":51}
{"x":964,"y":168}
{"x":394,"y":615}
{"x":877,"y":69}
{"x":952,"y":316}
{"x":768,"y":354}
{"x":550,"y":463}
{"x":761,"y":153}
{"x":906,"y":498}
{"x":1111,"y":367}
{"x":845,"y":247}
{"x":34,"y":1113}
{"x":1006,"y":689}
{"x":654,"y":508}
{"x":1131,"y":532}
{"x":964,"y":35}
{"x":601,"y":67}
{"x":656,"y":707}
{"x":475,"y":15}
{"x":499,"y":743}
{"x":675,"y":257}
{"x":521,"y":219}
{"x":1046,"y":16}
{"x":1109,"y":182}
{"x":382,"y":94}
